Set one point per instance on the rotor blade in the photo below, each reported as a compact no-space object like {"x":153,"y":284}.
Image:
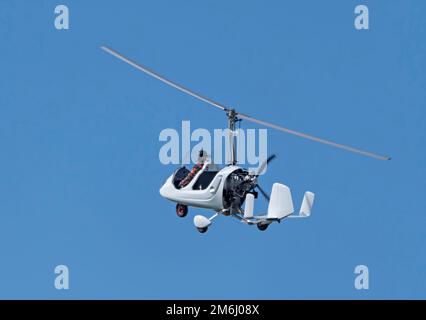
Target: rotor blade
{"x":313,"y":138}
{"x":263,"y":192}
{"x":161,"y":78}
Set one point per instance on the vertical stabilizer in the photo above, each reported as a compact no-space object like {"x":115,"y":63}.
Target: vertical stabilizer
{"x":281,"y":203}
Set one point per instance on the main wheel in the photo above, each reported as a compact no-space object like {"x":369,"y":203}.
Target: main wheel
{"x":262,"y":227}
{"x":202,"y":230}
{"x":181,"y":210}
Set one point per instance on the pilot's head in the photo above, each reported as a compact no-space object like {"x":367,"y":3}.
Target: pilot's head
{"x":202,"y":156}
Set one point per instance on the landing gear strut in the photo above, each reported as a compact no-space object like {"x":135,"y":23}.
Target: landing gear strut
{"x":181,"y":210}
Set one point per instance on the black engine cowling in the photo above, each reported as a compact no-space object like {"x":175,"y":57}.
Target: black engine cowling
{"x":236,"y":187}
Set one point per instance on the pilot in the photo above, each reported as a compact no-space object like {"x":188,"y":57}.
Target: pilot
{"x":202,"y":157}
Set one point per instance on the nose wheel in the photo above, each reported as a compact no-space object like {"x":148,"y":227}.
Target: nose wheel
{"x":181,"y":210}
{"x":202,"y":223}
{"x":202,"y":230}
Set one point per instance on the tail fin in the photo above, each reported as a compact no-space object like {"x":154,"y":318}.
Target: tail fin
{"x":249,"y":206}
{"x":281,"y":203}
{"x":307,"y":203}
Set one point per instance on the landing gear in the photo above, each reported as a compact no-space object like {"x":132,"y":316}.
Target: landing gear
{"x":181,"y":210}
{"x":262,"y":227}
{"x":202,"y":230}
{"x":202,"y":223}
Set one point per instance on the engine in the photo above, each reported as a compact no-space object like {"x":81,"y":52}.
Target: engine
{"x":236,"y":187}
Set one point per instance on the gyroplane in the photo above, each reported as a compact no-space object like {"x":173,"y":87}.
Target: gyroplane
{"x":232,"y":190}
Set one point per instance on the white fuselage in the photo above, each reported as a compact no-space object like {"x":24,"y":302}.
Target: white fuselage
{"x":209,"y":197}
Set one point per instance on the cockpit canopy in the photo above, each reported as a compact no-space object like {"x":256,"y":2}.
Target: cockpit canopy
{"x":203,"y":178}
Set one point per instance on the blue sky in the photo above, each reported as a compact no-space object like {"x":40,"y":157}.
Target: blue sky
{"x":79,"y":168}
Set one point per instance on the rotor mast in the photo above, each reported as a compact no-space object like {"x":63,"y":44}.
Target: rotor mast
{"x":232,"y":119}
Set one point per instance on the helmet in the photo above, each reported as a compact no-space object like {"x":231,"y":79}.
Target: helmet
{"x":202,"y":156}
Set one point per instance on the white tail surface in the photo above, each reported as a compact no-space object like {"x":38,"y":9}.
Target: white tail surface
{"x":281,"y":203}
{"x":307,"y":203}
{"x":249,"y":206}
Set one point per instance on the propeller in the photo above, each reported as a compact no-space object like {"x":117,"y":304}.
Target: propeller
{"x":263,"y":192}
{"x":259,"y":171}
{"x":265,"y":163}
{"x":241,"y":115}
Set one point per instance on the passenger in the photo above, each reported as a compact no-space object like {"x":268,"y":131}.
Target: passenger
{"x":202,"y":157}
